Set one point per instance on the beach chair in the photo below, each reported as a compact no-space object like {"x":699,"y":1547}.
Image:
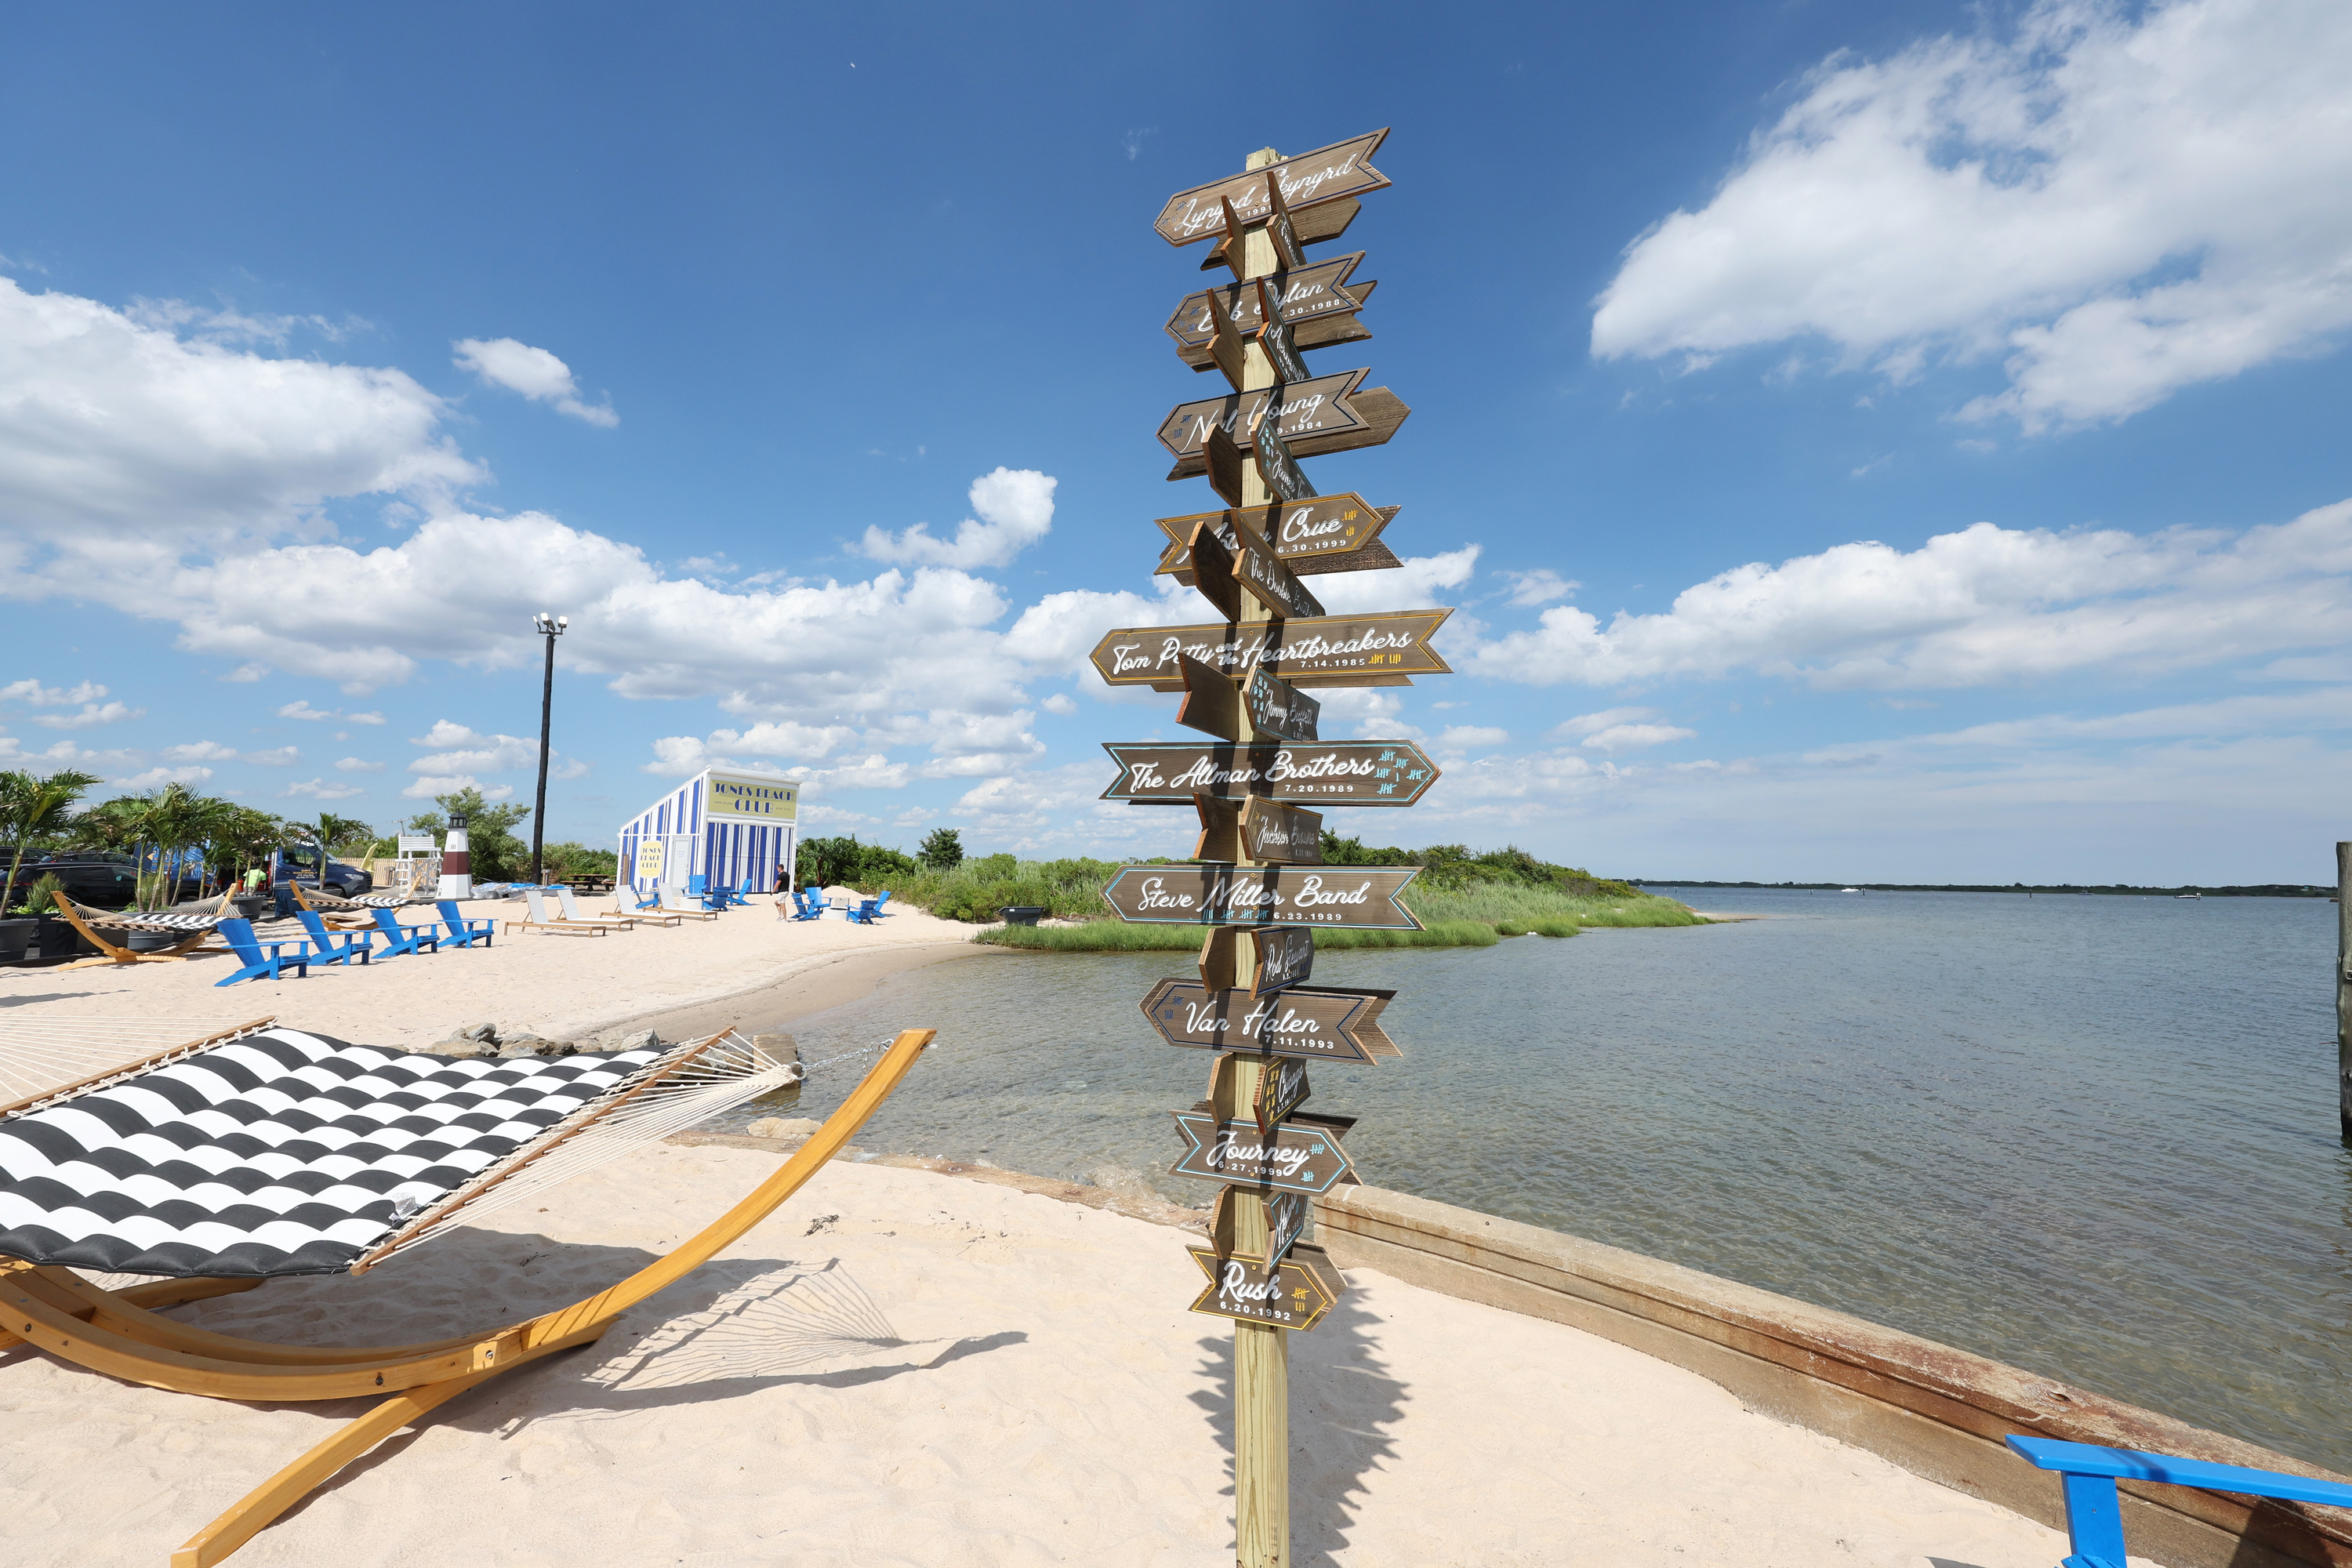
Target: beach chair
{"x":464,"y":932}
{"x":698,"y":886}
{"x":808,"y":903}
{"x":2087,"y":1475}
{"x":125,"y":1172}
{"x":258,"y":964}
{"x":399,"y":939}
{"x":570,"y":907}
{"x":881,"y":904}
{"x":325,"y":949}
{"x":658,"y":904}
{"x":193,"y":927}
{"x":338,"y":913}
{"x":865,"y":911}
{"x":540,"y":921}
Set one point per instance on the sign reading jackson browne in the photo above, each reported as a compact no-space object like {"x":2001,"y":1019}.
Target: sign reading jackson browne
{"x":752,"y":797}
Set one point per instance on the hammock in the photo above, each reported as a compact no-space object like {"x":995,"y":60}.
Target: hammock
{"x":195,"y":928}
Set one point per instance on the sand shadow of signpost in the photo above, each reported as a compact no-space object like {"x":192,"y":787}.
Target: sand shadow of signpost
{"x":1342,"y":1407}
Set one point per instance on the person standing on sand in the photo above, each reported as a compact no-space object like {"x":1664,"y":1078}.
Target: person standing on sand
{"x":783,"y":891}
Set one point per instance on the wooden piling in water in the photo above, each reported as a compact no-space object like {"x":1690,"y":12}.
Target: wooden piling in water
{"x":2343,"y":986}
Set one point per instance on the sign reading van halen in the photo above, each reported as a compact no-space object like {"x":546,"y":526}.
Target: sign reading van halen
{"x":1341,"y":772}
{"x":1297,"y":1156}
{"x":1361,"y":898}
{"x":749,"y":797}
{"x":1382,"y":649}
{"x":1321,"y":1023}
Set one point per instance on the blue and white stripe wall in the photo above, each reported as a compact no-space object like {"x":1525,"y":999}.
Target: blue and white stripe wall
{"x":729,"y":826}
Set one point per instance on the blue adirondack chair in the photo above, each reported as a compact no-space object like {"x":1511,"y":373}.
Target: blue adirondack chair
{"x":807,"y":904}
{"x":325,"y":949}
{"x":464,"y":932}
{"x":865,"y":911}
{"x":2095,"y":1521}
{"x":881,"y":904}
{"x":238,"y":934}
{"x":399,"y":939}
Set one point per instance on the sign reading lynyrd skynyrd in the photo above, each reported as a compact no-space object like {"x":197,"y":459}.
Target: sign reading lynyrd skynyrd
{"x":1317,"y":302}
{"x":1301,"y":1156}
{"x":1337,"y":772}
{"x":1322,"y":1023}
{"x":1326,"y":174}
{"x":1294,"y":1294}
{"x":1315,"y":650}
{"x":1328,"y":533}
{"x":1314,"y":416}
{"x":1361,"y":898}
{"x":1284,"y":955}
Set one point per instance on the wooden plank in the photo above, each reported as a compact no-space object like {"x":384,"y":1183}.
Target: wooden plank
{"x":1317,"y":414}
{"x":1313,"y":226}
{"x":1213,"y":701}
{"x":1304,"y":183}
{"x":1278,"y":710}
{"x":1314,"y":298}
{"x":1332,"y":772}
{"x":1356,"y":898}
{"x":1233,"y":557}
{"x":1321,"y":534}
{"x":1213,"y":570}
{"x":1319,"y":650}
{"x":1254,"y":962}
{"x":1286,"y":1218}
{"x":1381,"y":411}
{"x":1296,"y":1294}
{"x":1277,"y":465}
{"x":1257,"y":830}
{"x":1319,"y":1023}
{"x":1276,"y":337}
{"x":1301,"y":1156}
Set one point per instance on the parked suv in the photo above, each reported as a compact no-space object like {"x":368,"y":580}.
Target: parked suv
{"x":101,"y":881}
{"x":343,"y":879}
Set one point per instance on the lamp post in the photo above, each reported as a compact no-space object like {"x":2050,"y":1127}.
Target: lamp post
{"x":550,"y":627}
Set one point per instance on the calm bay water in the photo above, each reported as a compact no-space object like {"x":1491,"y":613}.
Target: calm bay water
{"x":2093,"y":1137}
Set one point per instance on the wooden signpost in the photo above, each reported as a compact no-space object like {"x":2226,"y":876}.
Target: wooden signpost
{"x":1260,"y":885}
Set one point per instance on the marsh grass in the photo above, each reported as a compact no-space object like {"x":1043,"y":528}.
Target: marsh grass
{"x":1117,"y":936}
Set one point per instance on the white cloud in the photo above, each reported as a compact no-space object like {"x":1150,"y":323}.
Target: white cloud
{"x":320,"y":789}
{"x":363,"y":718}
{"x":302,"y":709}
{"x":426,"y":789}
{"x":1469,"y":737}
{"x":279,"y":757}
{"x":1016,"y":511}
{"x":1418,"y":583}
{"x":2126,"y":203}
{"x":1984,"y":607}
{"x":535,"y":373}
{"x":1634,"y":736}
{"x":358,"y":766}
{"x":1585,"y":725}
{"x":456,"y":749}
{"x":1061,"y":702}
{"x":157,"y":777}
{"x":1540,"y":586}
{"x":41,"y":696}
{"x":91,"y":715}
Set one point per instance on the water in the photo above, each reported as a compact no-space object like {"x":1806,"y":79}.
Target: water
{"x":2093,"y":1137}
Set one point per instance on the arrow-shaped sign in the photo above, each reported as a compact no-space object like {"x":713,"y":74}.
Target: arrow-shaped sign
{"x":1359,"y":898}
{"x":1334,"y":773}
{"x":1260,"y":711}
{"x":1322,"y":1023}
{"x":1307,"y":180}
{"x":1295,"y":1293}
{"x":1284,"y":955}
{"x":1318,"y":305}
{"x":1381,"y":410}
{"x":1317,"y":414}
{"x":1328,"y":533}
{"x":1235,"y":555}
{"x":1278,"y":710}
{"x":1258,"y":829}
{"x":1302,"y":1155}
{"x":1319,"y":650}
{"x":1213,"y":701}
{"x":1272,"y":331}
{"x":1286,"y":1214}
{"x":1277,"y":465}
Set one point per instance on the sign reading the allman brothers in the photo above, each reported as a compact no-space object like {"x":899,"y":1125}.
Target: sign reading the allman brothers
{"x":1336,"y":773}
{"x":1317,"y":651}
{"x":1326,"y":174}
{"x":1294,"y":1294}
{"x":1320,"y":1024}
{"x":1328,"y":533}
{"x":1361,"y":898}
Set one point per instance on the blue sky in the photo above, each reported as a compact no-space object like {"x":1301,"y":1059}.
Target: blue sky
{"x":1878,"y":441}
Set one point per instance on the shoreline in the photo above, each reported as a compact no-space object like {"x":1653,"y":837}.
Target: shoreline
{"x":817,"y":984}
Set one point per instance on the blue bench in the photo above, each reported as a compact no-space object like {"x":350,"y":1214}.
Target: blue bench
{"x":2095,"y":1521}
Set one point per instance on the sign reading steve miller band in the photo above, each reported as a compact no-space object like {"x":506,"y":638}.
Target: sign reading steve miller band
{"x":1362,"y":897}
{"x":1336,"y":773}
{"x":1315,"y":650}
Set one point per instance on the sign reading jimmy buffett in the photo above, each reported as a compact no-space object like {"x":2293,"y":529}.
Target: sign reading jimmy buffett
{"x":1334,"y":773}
{"x":1361,"y":898}
{"x":1317,"y":1024}
{"x":1301,"y":1156}
{"x":1315,"y":650}
{"x":1309,"y":180}
{"x":1295,"y":1293}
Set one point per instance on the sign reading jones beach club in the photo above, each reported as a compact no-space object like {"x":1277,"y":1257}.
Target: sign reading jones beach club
{"x":1320,"y":650}
{"x":750,"y":795}
{"x":1350,"y":772}
{"x":1363,"y":898}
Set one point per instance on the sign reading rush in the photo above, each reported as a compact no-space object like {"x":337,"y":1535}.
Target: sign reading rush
{"x":743,"y":795}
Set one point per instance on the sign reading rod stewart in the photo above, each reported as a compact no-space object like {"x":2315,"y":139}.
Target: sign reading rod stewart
{"x":1362,"y":897}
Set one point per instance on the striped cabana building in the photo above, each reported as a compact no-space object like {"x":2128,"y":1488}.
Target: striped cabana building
{"x":722,"y":825}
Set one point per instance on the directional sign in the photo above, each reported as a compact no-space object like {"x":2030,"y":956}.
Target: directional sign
{"x":1309,"y":180}
{"x":1286,"y":1214}
{"x":1278,"y":710}
{"x":1316,"y":651}
{"x":1211,"y":551}
{"x":1320,"y":410}
{"x":1295,"y":1293}
{"x":1278,"y":466}
{"x":1284,"y":955}
{"x":1359,"y":898}
{"x":1281,"y":1091}
{"x":1318,"y":304}
{"x":1376,"y":409}
{"x":1328,"y":533}
{"x":1213,"y":701}
{"x":1281,"y":344}
{"x":1334,"y":773}
{"x":1301,"y":1156}
{"x":1321,"y":1023}
{"x":1258,"y":830}
{"x":1311,"y":225}
{"x":1235,"y":555}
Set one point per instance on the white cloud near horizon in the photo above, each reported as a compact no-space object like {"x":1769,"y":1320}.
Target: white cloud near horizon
{"x":535,"y":373}
{"x":2121,"y":204}
{"x":1015,"y":508}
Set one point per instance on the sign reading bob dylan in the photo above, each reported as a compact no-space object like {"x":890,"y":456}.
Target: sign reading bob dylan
{"x":753,"y":797}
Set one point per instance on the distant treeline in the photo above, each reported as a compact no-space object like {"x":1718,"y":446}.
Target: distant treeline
{"x":2253,"y":891}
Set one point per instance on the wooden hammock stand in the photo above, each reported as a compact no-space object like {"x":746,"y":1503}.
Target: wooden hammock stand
{"x":84,"y":920}
{"x":119,"y":1332}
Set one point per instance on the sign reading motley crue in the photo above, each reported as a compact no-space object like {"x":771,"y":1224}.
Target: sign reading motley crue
{"x":1294,"y":1294}
{"x":1363,"y":898}
{"x":1326,"y":174}
{"x":1340,"y":773}
{"x":1328,"y":533}
{"x":755,"y":798}
{"x":1320,"y":650}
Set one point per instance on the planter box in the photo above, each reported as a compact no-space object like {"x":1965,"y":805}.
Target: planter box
{"x":1023,"y":914}
{"x":15,"y":935}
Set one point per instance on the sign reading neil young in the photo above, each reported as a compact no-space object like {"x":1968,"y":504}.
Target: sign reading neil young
{"x":1295,"y":1293}
{"x":1326,"y":174}
{"x":755,"y":798}
{"x":1362,"y":897}
{"x":1316,"y":651}
{"x":1320,"y":407}
{"x":1340,"y":773}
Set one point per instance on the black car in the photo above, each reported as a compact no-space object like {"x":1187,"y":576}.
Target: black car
{"x":101,"y":881}
{"x":343,"y":879}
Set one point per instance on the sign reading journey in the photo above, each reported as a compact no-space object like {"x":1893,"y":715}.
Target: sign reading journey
{"x":1316,"y":651}
{"x":1313,"y":1024}
{"x":1361,"y":898}
{"x":1294,"y":1294}
{"x":1334,"y":773}
{"x":1326,"y":174}
{"x":1301,"y":1156}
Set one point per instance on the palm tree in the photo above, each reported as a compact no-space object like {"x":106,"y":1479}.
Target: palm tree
{"x":30,"y":808}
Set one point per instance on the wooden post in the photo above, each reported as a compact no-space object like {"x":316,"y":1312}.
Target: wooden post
{"x":2343,"y":986}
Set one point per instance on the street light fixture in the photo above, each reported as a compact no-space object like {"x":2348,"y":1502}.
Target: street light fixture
{"x":550,"y":627}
